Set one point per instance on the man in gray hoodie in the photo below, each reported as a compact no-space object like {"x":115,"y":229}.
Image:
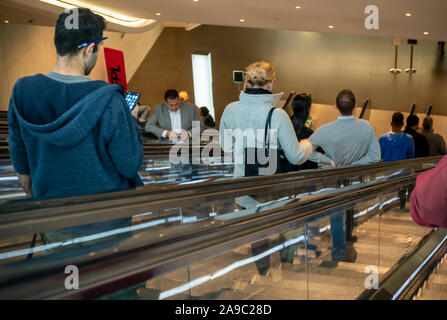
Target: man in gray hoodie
{"x":71,"y":136}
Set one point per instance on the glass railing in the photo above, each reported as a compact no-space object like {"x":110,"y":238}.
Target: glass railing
{"x":304,"y":259}
{"x":220,"y":239}
{"x":308,"y":260}
{"x":154,"y":207}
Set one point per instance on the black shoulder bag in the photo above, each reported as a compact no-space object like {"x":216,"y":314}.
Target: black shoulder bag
{"x":283,"y":165}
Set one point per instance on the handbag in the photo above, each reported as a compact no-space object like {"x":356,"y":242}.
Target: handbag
{"x":283,"y":165}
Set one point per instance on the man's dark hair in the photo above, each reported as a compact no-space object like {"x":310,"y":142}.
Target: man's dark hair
{"x":171,"y":94}
{"x":398,"y":119}
{"x":427,"y":124}
{"x":91,"y":28}
{"x":346,"y":102}
{"x":412,"y":121}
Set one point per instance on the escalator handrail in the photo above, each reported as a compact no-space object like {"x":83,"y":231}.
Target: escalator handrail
{"x":162,"y":255}
{"x":289,"y":99}
{"x":365,"y":105}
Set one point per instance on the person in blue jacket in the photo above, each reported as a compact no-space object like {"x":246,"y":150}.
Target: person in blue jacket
{"x":396,"y":145}
{"x":69,"y":135}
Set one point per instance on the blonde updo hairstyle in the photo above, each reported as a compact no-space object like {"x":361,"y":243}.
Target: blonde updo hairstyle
{"x":258,"y":74}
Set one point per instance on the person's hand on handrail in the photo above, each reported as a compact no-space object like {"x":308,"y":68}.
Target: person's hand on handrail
{"x":25,"y":182}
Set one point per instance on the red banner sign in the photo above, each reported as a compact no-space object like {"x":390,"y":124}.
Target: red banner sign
{"x":116,"y":71}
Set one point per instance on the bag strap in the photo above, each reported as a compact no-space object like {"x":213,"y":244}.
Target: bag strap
{"x":268,"y":125}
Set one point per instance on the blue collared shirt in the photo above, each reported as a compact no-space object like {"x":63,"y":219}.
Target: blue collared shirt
{"x":346,"y":117}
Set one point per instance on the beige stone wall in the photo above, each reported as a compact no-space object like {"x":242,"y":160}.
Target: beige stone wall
{"x":320,"y":63}
{"x":379,"y":119}
{"x":27,"y":50}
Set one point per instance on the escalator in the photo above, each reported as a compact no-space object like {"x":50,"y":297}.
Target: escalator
{"x":435,"y":288}
{"x":304,"y":277}
{"x":282,"y":237}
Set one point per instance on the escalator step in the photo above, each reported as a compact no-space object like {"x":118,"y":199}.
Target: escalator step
{"x":436,"y":286}
{"x":439,"y":279}
{"x":432,"y":294}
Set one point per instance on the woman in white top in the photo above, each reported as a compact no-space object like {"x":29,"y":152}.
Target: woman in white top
{"x":243,"y":122}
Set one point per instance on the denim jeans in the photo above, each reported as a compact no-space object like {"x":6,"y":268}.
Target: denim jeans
{"x":338,"y":232}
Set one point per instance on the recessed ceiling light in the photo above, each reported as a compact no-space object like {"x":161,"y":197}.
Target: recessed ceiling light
{"x":242,"y":20}
{"x":158,"y":14}
{"x":298,"y":7}
{"x":426,"y":33}
{"x":408,"y":14}
{"x":331,"y":27}
{"x":195,"y":0}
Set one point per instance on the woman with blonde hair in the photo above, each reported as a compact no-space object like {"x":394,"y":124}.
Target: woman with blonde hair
{"x":256,"y":111}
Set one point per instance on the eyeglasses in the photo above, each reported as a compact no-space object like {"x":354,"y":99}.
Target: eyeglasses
{"x":85,"y":44}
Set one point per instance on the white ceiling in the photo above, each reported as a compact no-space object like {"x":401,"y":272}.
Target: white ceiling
{"x":18,"y":13}
{"x":347,"y":16}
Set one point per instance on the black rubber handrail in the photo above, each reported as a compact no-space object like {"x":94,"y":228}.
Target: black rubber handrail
{"x":289,"y":99}
{"x":365,"y":105}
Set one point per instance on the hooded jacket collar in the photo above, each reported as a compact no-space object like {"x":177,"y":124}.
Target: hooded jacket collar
{"x":75,"y":124}
{"x":257,"y":91}
{"x":256,"y":99}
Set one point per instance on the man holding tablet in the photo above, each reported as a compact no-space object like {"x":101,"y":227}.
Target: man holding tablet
{"x":71,"y":136}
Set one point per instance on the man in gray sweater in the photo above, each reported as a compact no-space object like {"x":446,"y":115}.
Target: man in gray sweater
{"x":346,"y":141}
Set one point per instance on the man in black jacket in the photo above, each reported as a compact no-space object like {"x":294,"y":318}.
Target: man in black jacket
{"x":435,"y":141}
{"x":421,"y":146}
